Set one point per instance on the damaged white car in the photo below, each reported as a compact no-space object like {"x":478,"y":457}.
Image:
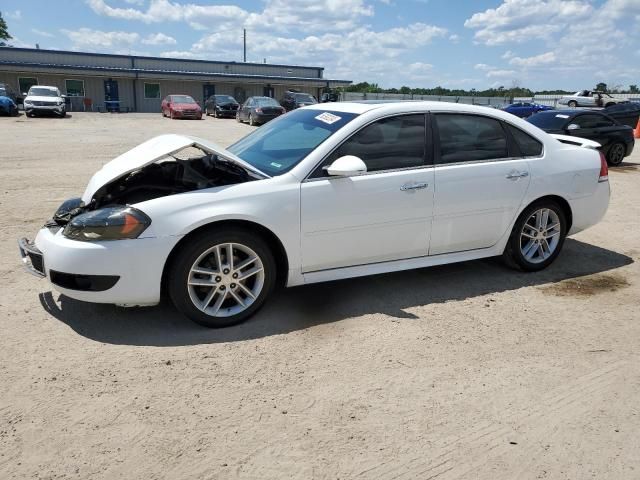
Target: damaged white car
{"x":318,"y":194}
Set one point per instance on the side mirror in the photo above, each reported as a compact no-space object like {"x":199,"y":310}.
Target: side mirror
{"x":24,"y":94}
{"x":573,"y":126}
{"x":347,"y":166}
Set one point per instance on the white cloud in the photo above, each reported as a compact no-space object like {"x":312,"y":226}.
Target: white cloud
{"x":165,"y":10}
{"x":97,"y":39}
{"x":159,"y":39}
{"x":501,"y":73}
{"x":281,"y":15}
{"x":517,"y":21}
{"x":534,"y":61}
{"x":15,"y":15}
{"x":42,"y":33}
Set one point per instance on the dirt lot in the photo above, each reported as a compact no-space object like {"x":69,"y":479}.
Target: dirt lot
{"x":463,"y":371}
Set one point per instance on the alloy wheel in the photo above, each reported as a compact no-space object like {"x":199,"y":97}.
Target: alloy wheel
{"x":616,"y":154}
{"x":540,"y":235}
{"x":226,"y":279}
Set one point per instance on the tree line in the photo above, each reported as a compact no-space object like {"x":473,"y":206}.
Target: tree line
{"x":501,"y":91}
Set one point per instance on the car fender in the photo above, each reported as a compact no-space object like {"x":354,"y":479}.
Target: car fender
{"x":273,"y":204}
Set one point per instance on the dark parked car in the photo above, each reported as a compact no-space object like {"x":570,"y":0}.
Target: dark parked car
{"x":259,"y":110}
{"x":293,"y":100}
{"x":616,"y":139}
{"x":221,"y":106}
{"x":525,"y":109}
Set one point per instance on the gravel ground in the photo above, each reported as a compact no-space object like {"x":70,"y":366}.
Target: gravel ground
{"x":461,"y":371}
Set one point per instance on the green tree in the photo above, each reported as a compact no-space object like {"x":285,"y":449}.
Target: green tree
{"x":4,"y":33}
{"x":405,"y":90}
{"x":634,"y":89}
{"x":601,"y":87}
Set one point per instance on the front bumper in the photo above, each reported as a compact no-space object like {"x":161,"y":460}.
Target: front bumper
{"x":187,"y":114}
{"x":125,"y":272}
{"x":226,"y":113}
{"x":59,"y":109}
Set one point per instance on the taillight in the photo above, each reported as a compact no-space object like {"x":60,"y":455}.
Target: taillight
{"x":604,"y":169}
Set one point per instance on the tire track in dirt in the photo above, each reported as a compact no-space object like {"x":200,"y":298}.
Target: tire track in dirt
{"x":489,"y":440}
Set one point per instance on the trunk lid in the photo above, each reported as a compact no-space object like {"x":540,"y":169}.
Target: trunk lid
{"x":153,"y":150}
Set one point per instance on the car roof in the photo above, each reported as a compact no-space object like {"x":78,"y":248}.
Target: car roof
{"x":399,"y":106}
{"x":44,"y":86}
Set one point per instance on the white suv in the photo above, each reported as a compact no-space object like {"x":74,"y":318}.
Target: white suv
{"x":42,"y":99}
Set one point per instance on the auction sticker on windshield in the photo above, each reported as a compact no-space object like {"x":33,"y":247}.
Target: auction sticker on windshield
{"x":328,"y":118}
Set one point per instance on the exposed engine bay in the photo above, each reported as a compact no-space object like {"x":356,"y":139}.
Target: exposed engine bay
{"x":188,"y":170}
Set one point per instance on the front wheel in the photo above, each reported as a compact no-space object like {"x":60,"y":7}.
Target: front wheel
{"x":572,"y":104}
{"x":251,"y":121}
{"x":222,"y":278}
{"x":537,"y":236}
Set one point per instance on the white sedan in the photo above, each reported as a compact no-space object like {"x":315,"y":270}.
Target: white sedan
{"x":325,"y":192}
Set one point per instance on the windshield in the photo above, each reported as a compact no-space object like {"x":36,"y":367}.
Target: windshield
{"x":549,"y":120}
{"x":305,"y":98}
{"x":225,"y":99}
{"x":182,"y":99}
{"x":266,"y":102}
{"x":278,"y":146}
{"x":43,"y":92}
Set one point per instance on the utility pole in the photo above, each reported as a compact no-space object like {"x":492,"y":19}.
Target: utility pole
{"x":245,"y":45}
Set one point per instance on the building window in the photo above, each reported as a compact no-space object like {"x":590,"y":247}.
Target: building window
{"x":25,"y":83}
{"x":75,"y":88}
{"x":151,"y":90}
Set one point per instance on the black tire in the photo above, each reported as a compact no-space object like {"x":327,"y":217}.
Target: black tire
{"x":238,"y":118}
{"x":178,"y":274}
{"x":215,"y":114}
{"x":251,"y":122}
{"x":513,"y":255}
{"x":615,"y":155}
{"x":572,"y":104}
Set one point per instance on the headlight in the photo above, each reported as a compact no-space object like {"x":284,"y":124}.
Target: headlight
{"x":27,"y":102}
{"x":113,"y":223}
{"x":60,"y":102}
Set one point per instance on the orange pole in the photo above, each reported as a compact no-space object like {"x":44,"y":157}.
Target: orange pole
{"x":636,"y":132}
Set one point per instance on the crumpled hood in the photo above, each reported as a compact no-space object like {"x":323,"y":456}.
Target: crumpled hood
{"x":151,"y":151}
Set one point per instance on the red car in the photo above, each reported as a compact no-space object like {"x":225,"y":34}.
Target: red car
{"x":181,"y":106}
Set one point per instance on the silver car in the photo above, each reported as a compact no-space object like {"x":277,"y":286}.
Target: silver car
{"x":590,"y":98}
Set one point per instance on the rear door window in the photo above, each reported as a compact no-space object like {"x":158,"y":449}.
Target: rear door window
{"x":469,"y":138}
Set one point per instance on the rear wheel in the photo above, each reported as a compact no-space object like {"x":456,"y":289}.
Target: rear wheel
{"x":222,"y":278}
{"x":238,"y":118}
{"x":537,"y":236}
{"x":615,"y":155}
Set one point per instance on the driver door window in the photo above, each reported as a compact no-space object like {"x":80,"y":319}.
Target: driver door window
{"x":389,"y":144}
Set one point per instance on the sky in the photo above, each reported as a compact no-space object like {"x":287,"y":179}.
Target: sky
{"x":538,"y":44}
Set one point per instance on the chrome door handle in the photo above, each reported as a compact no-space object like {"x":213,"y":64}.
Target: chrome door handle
{"x":517,"y":175}
{"x":413,"y":186}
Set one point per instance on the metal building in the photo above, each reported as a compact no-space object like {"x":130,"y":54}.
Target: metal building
{"x":139,"y":84}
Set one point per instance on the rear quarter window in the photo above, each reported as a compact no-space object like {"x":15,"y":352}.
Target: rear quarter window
{"x":529,"y":146}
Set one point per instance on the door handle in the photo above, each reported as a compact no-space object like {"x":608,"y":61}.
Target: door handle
{"x":413,"y":186}
{"x":517,"y":175}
